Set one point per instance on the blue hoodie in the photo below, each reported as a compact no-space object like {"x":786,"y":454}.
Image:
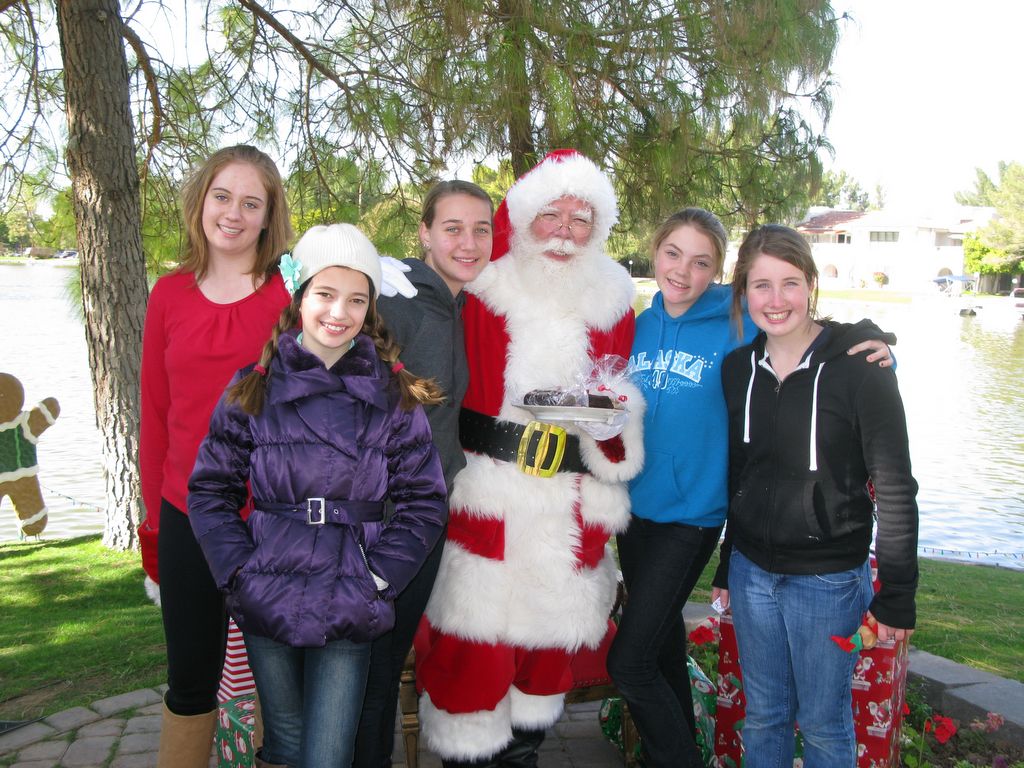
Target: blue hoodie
{"x":677,"y":363}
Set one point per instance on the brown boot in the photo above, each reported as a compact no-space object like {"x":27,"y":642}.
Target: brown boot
{"x":186,"y":741}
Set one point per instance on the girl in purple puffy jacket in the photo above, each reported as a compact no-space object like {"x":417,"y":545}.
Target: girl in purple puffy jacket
{"x":323,"y":429}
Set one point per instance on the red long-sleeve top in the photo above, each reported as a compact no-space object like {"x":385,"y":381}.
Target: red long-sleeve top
{"x":191,"y":347}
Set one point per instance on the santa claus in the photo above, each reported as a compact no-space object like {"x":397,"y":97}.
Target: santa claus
{"x":527,"y":578}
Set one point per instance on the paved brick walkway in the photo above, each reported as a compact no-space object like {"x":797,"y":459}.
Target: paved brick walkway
{"x":124,"y":731}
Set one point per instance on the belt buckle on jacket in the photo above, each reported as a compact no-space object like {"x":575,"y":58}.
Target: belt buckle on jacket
{"x":316,"y":511}
{"x":532,"y":465}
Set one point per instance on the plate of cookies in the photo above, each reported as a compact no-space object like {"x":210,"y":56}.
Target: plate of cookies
{"x":556,"y":405}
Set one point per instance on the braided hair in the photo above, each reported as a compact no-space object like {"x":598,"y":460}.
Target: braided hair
{"x":250,"y":392}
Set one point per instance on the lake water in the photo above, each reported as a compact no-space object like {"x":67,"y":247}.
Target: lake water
{"x":960,"y":378}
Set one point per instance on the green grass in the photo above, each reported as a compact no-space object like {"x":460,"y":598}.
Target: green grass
{"x":968,"y":613}
{"x":75,"y":626}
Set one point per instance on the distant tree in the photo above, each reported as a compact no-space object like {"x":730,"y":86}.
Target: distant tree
{"x":983,"y":188}
{"x":1006,"y":230}
{"x":982,"y":259}
{"x":879,"y":202}
{"x":830,"y":193}
{"x":840,"y":190}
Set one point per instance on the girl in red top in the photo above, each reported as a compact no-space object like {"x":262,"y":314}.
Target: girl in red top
{"x":205,"y":320}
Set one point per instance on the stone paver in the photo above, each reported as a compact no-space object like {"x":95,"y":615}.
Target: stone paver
{"x":133,"y":700}
{"x":143,"y":724}
{"x":139,"y":742}
{"x":103,"y":731}
{"x":51,"y":750}
{"x":966,"y":693}
{"x":112,"y":726}
{"x":140,"y":760}
{"x":22,"y":737}
{"x":89,"y":752}
{"x":33,"y":764}
{"x":72,"y":718}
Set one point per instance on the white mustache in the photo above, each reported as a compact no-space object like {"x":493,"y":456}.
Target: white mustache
{"x":560,"y":245}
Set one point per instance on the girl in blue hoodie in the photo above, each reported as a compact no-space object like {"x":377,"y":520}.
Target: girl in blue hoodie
{"x":679,"y":500}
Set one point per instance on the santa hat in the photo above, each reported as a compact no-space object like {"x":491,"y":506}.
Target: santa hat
{"x":562,"y":173}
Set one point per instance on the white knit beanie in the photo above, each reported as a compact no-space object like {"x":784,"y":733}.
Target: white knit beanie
{"x":334,"y":245}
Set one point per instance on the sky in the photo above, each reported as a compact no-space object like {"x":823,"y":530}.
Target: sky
{"x":927,"y":92}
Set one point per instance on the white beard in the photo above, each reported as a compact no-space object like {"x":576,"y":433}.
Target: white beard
{"x":549,"y":276}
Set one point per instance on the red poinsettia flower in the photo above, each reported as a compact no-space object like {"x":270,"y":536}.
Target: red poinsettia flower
{"x":702,"y":634}
{"x":906,"y":709}
{"x":945,"y":729}
{"x":928,"y":725}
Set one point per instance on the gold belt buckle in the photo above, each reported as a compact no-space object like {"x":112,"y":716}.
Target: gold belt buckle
{"x":547,"y":431}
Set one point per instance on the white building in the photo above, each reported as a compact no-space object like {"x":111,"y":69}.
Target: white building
{"x":911,"y":250}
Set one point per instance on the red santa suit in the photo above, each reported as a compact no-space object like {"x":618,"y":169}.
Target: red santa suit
{"x":527,"y":577}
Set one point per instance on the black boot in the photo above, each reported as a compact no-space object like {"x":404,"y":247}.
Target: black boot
{"x":522,"y":752}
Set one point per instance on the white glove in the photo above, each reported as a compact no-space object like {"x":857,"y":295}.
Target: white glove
{"x":393,"y":279}
{"x":605,"y":430}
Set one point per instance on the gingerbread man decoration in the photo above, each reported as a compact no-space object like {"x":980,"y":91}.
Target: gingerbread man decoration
{"x":19,"y":433}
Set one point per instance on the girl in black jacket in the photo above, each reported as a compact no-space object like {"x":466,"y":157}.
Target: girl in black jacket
{"x":809,"y":426}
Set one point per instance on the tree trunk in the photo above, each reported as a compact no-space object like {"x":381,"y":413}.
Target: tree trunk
{"x":105,"y":190}
{"x":517,"y":86}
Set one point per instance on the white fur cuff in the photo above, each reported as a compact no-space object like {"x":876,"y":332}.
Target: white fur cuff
{"x":467,"y":736}
{"x":152,"y":591}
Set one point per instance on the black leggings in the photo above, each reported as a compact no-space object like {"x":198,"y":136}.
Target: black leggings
{"x":375,"y":738}
{"x":195,"y":622}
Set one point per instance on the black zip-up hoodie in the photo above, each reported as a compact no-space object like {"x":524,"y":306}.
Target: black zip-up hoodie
{"x":801,"y":453}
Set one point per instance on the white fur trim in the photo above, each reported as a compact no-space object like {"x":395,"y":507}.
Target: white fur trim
{"x":532,"y":712}
{"x":563,"y":176}
{"x":632,"y":440}
{"x":596,"y":295}
{"x":40,"y":515}
{"x":20,"y":420}
{"x":50,"y":418}
{"x":468,"y":736}
{"x":604,"y":504}
{"x":152,"y":591}
{"x":536,"y":596}
{"x":17,"y":474}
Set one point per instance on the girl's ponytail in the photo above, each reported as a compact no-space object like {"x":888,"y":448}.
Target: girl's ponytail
{"x":413,"y":388}
{"x":251,"y":391}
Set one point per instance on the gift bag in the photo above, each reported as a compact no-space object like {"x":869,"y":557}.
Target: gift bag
{"x":236,"y":677}
{"x":236,"y":698}
{"x":879,"y":691}
{"x":233,"y":739}
{"x":703,"y":692}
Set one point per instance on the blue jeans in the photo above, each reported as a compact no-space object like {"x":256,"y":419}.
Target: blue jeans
{"x":792,"y":670}
{"x":660,"y":562}
{"x":310,"y":698}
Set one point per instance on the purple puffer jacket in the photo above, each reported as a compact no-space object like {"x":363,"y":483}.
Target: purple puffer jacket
{"x":337,"y":434}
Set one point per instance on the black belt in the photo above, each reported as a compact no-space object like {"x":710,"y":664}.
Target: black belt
{"x":537,"y":448}
{"x":317,"y":511}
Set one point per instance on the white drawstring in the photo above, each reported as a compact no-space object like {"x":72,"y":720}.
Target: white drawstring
{"x":750,"y":390}
{"x":814,"y":422}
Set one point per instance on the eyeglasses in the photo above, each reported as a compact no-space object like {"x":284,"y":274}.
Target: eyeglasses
{"x":553,"y":222}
